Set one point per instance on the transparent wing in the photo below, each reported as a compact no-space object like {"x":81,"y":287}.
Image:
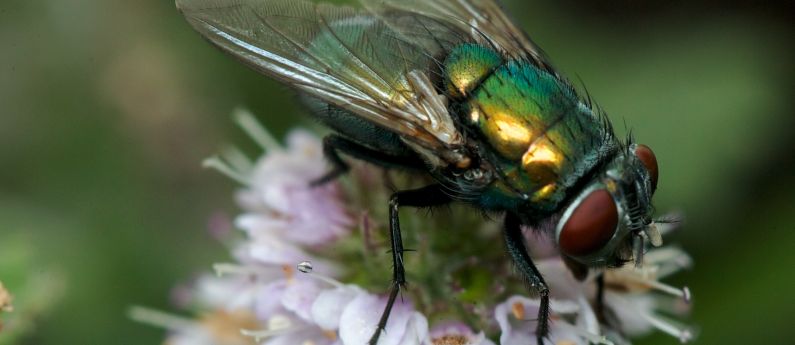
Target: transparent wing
{"x":344,"y":56}
{"x":485,"y":20}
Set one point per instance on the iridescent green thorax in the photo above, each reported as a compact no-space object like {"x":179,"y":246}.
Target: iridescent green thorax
{"x":544,"y":138}
{"x":467,"y":66}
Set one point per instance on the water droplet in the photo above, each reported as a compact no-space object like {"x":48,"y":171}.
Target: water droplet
{"x":305,"y":267}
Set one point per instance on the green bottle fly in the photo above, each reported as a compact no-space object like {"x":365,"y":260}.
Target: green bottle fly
{"x":455,"y":90}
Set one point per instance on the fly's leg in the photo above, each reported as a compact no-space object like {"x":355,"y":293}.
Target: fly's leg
{"x":331,"y":144}
{"x":603,"y":313}
{"x":515,"y":242}
{"x":335,"y":144}
{"x":600,"y":298}
{"x":423,"y":197}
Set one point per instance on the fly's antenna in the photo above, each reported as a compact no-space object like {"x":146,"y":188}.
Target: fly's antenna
{"x":638,"y":246}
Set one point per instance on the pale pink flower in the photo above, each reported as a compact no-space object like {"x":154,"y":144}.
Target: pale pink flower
{"x":455,"y":333}
{"x":265,"y":297}
{"x":517,"y":320}
{"x":285,"y":205}
{"x":360,"y":317}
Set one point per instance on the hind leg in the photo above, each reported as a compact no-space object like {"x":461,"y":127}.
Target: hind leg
{"x":335,"y":144}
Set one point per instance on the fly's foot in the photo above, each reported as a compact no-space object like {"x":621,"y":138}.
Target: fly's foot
{"x":542,"y":328}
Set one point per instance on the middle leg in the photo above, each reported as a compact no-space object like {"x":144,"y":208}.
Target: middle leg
{"x":422,"y":197}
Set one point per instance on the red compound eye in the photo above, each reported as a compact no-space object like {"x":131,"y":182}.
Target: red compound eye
{"x":592,"y":224}
{"x":646,"y":156}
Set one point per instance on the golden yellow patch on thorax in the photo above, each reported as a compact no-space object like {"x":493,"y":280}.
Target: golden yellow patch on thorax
{"x":508,"y":134}
{"x":543,"y":162}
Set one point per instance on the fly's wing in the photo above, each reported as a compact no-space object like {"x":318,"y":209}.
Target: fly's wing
{"x":485,"y":21}
{"x":344,"y":56}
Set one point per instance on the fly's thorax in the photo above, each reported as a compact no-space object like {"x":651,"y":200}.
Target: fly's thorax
{"x":538,"y":136}
{"x":466,"y":66}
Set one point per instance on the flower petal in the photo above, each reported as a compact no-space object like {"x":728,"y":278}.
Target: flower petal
{"x":299,"y":297}
{"x":516,"y":318}
{"x":456,"y":333}
{"x":268,"y":301}
{"x":416,"y":330}
{"x":273,"y":251}
{"x":329,"y":305}
{"x":300,"y":337}
{"x":360,"y":318}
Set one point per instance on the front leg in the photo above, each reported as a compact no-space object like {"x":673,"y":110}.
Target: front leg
{"x":423,"y":197}
{"x":603,"y":313}
{"x":515,"y":242}
{"x":600,"y":298}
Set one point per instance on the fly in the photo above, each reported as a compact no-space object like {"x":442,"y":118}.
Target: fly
{"x":455,"y":89}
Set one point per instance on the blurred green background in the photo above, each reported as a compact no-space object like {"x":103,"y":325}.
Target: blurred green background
{"x":107,"y":108}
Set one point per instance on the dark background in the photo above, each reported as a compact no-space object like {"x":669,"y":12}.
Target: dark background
{"x":107,"y":108}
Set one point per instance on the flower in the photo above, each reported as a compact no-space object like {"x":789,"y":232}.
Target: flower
{"x":456,"y":333}
{"x":282,"y":203}
{"x":5,"y":302}
{"x":262,"y":296}
{"x":303,"y":275}
{"x":628,"y":298}
{"x":360,"y":316}
{"x":5,"y":299}
{"x":635,"y":308}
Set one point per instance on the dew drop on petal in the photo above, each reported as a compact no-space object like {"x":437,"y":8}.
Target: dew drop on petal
{"x":305,"y":267}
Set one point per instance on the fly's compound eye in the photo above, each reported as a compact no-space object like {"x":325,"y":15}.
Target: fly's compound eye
{"x":649,"y":160}
{"x":590,"y":226}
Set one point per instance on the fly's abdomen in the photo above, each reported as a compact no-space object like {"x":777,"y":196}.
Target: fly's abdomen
{"x":544,"y":138}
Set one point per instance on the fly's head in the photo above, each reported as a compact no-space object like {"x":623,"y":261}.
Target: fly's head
{"x":607,"y":223}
